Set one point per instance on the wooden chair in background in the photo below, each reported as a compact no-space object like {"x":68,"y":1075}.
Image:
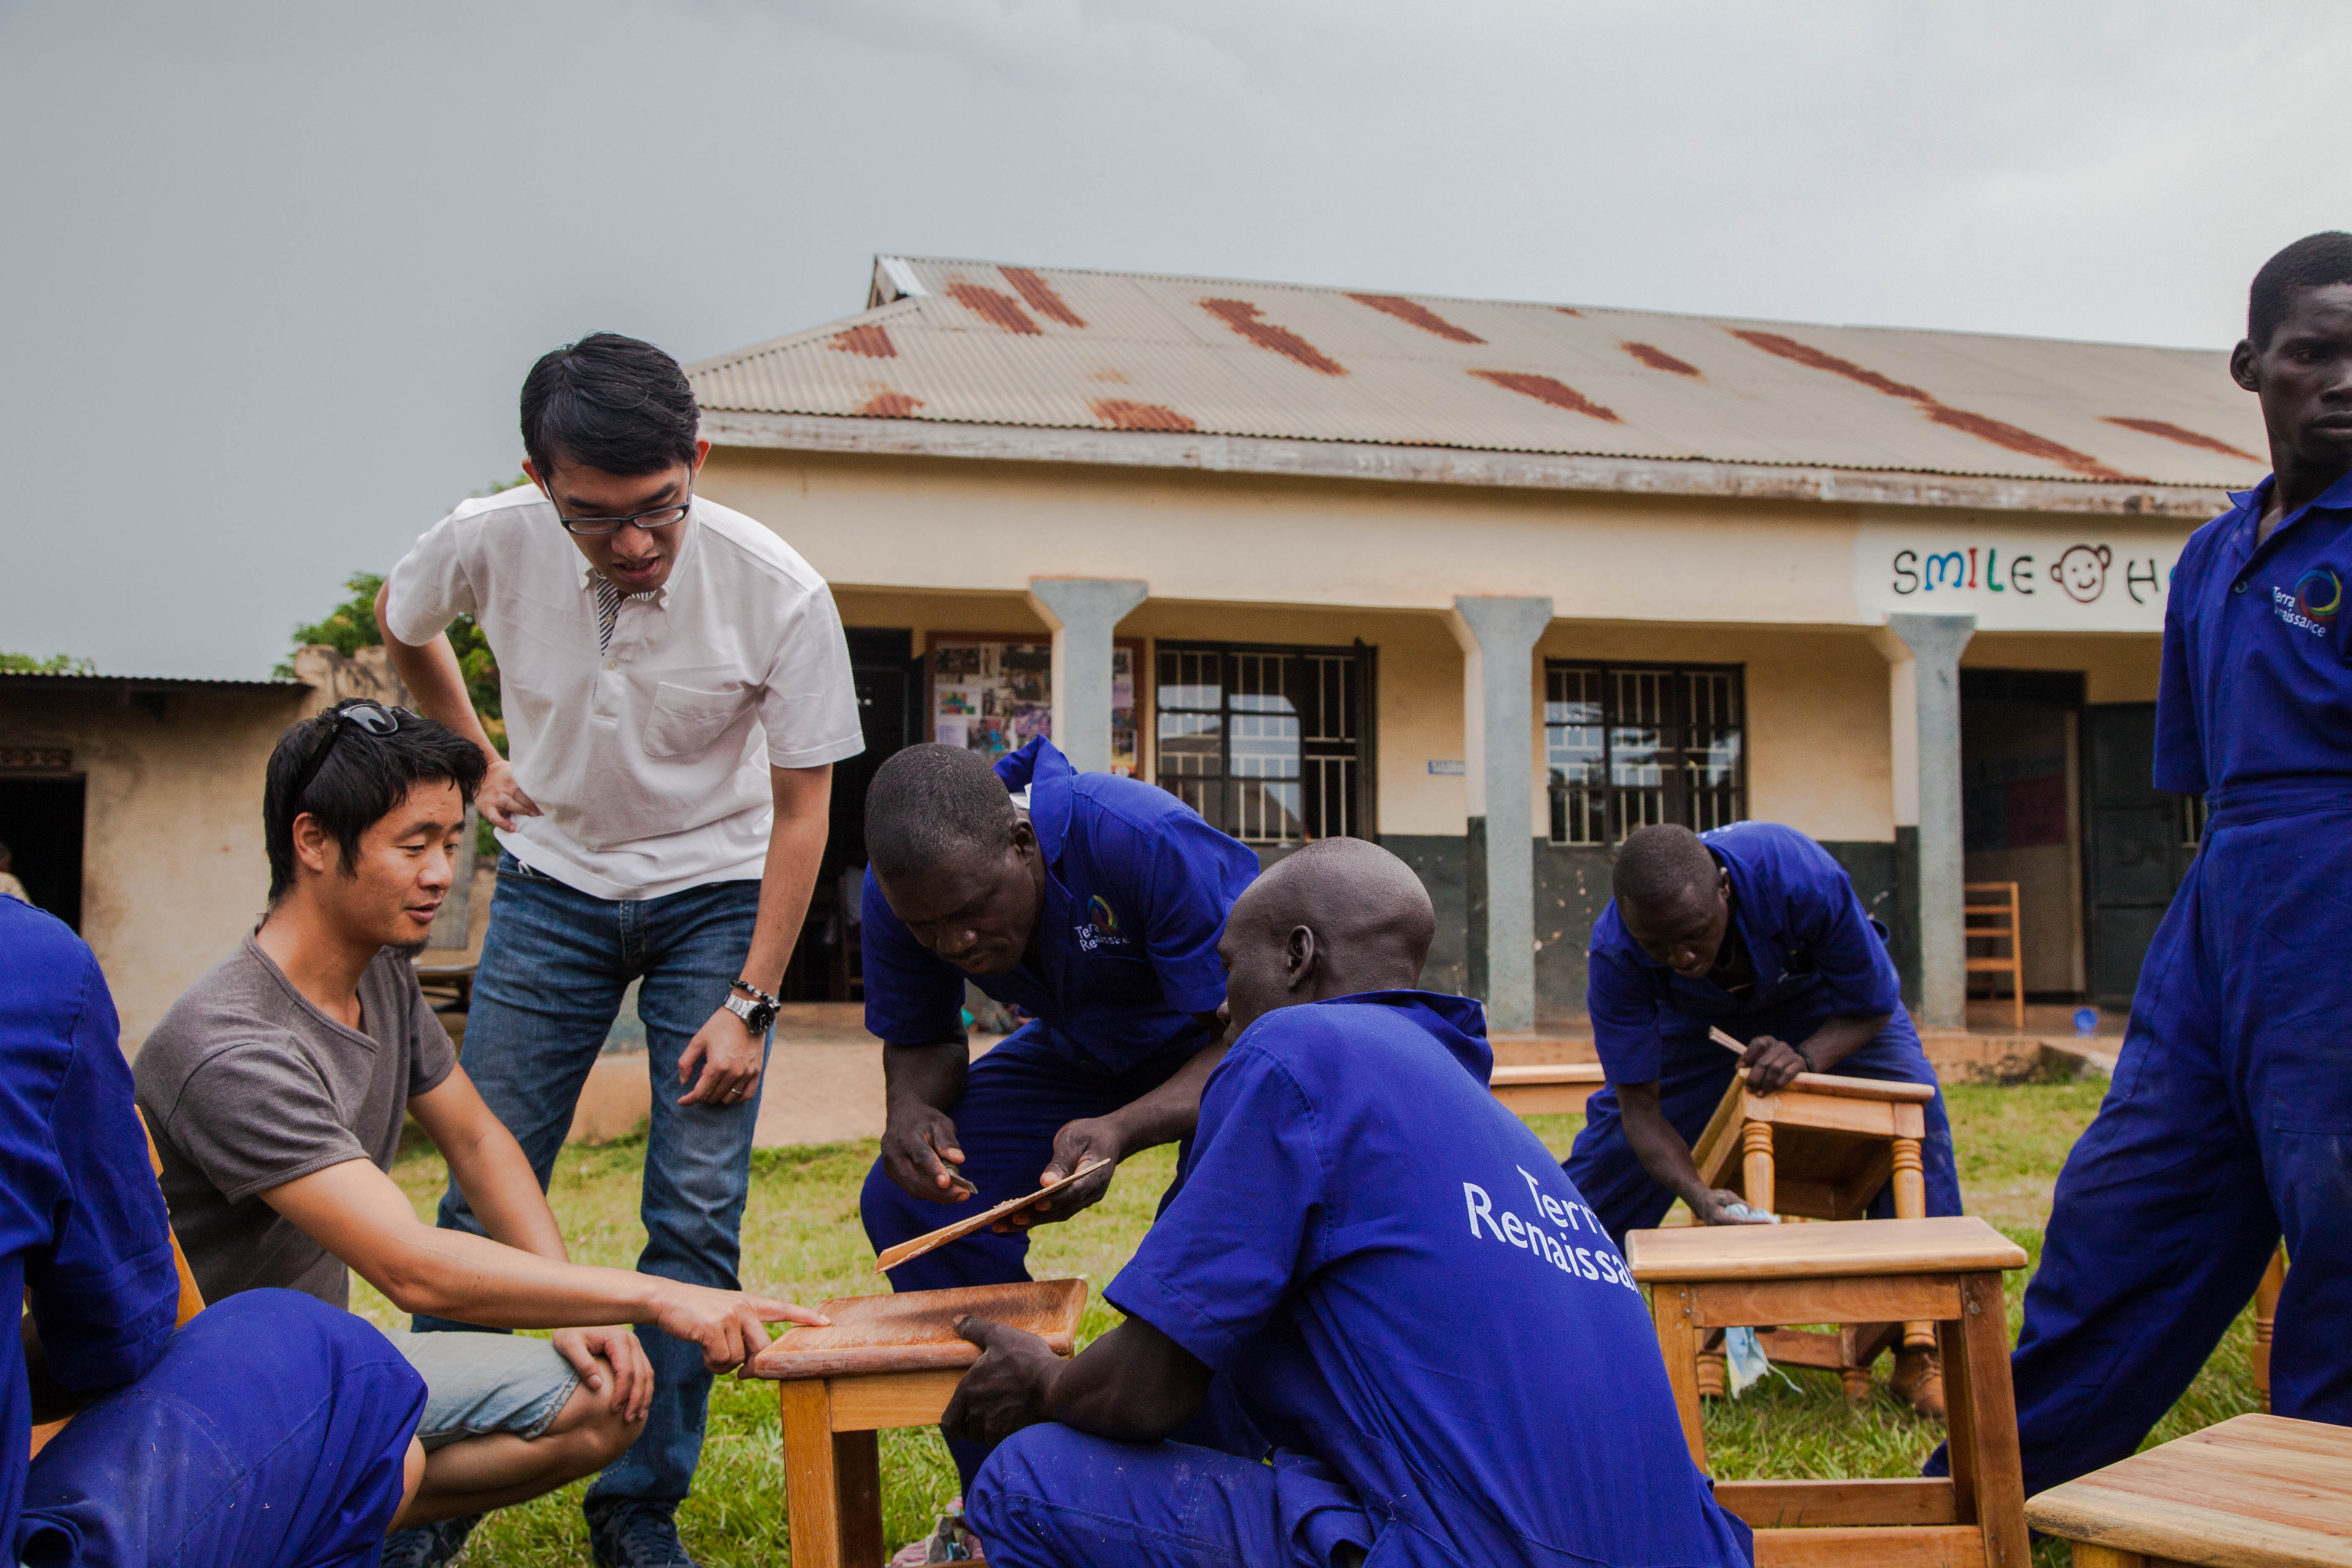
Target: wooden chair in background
{"x":2249,"y":1492}
{"x":1820,"y":1149}
{"x":886,"y":1361}
{"x":1946,"y":1271}
{"x":1991,"y":919}
{"x":2266,"y":1300}
{"x":192,"y":1299}
{"x":1549,"y":1090}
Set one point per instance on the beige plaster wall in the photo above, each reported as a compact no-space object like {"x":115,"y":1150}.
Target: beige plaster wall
{"x":2116,"y":667}
{"x":173,"y":869}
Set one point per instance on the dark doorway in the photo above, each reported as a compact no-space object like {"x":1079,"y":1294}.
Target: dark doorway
{"x":2019,"y":789}
{"x":40,"y":821}
{"x":2139,"y":842}
{"x":825,"y":966}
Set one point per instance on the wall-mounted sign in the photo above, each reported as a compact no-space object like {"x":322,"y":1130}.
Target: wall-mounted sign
{"x":1446,"y":770}
{"x":2018,"y":576}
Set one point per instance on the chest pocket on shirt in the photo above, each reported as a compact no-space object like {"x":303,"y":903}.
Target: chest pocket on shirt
{"x":686,"y":721}
{"x":1106,"y":982}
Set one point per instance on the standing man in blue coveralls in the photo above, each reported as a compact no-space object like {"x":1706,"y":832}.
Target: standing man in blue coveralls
{"x":1440,"y":1376}
{"x":2231,"y":1113}
{"x":1754,"y":929}
{"x":271,"y":1429}
{"x":1096,"y":910}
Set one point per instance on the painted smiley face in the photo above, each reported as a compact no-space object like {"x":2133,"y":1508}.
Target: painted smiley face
{"x":2083,"y":572}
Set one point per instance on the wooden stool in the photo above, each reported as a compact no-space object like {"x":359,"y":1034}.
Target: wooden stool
{"x":1549,"y":1089}
{"x":2255,"y":1491}
{"x":1820,"y":1149}
{"x":886,"y":1361}
{"x":2266,"y":1300}
{"x":1946,"y":1271}
{"x":1991,"y":916}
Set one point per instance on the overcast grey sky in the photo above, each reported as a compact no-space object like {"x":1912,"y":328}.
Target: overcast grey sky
{"x":271,"y":274}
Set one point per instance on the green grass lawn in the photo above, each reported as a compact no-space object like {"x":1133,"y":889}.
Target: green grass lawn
{"x":802,"y":1240}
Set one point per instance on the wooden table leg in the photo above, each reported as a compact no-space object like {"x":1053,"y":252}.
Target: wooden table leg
{"x":1996,"y":1476}
{"x":833,"y":1483}
{"x":2089,"y":1556}
{"x":1669,"y":1308}
{"x":1911,"y":1203}
{"x":1756,"y":1163}
{"x":2266,"y":1300}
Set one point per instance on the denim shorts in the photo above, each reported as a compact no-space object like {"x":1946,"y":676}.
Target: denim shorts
{"x":478,"y":1384}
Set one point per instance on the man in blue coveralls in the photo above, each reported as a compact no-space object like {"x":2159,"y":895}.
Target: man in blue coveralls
{"x":2229,"y":1117}
{"x":1096,"y":911}
{"x":1376,"y":1267}
{"x":272,"y":1429}
{"x":1754,"y":929}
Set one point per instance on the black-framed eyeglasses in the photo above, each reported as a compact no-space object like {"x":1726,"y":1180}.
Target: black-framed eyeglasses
{"x":659,"y":516}
{"x":372,"y":718}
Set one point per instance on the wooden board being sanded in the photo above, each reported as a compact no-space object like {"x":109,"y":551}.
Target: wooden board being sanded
{"x":894,"y":1255}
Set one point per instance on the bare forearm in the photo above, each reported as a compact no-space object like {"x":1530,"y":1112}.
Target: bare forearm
{"x":456,"y":1274}
{"x":504,"y":1196}
{"x":787,"y":878}
{"x":1170,"y":1112}
{"x":435,"y":682}
{"x":925,"y":1075}
{"x":1839,"y":1039}
{"x":1660,"y":1149}
{"x":1132,"y":1385}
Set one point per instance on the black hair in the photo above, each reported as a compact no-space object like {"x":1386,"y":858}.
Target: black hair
{"x":1658,"y":864}
{"x":2314,"y":262}
{"x":362,"y":780}
{"x":927,"y":803}
{"x":611,"y":403}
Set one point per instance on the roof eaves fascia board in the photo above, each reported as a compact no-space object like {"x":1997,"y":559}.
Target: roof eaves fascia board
{"x":1452,"y":466}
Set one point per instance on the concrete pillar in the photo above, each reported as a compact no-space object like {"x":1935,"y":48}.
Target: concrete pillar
{"x":1923,"y":654}
{"x":1084,"y":612}
{"x":1498,"y":640}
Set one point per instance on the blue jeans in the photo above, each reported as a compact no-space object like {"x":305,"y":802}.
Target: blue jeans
{"x":274,"y":1430}
{"x":554,"y":965}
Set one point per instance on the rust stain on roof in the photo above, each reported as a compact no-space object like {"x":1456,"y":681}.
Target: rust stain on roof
{"x":1242,"y":318}
{"x":1659,"y":359}
{"x":1041,"y":296}
{"x":1122,"y":415}
{"x":870,"y":341}
{"x":1568,"y":310}
{"x":1109,"y":372}
{"x":888,"y":404}
{"x":2169,"y":431}
{"x":1421,"y":316}
{"x":1981,"y":426}
{"x":1544,"y":389}
{"x":995,"y":306}
{"x":1814,"y":359}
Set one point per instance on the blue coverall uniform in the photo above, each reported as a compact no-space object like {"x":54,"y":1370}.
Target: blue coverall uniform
{"x":1818,"y":956}
{"x":2230,"y":1118}
{"x":1136,"y":889}
{"x":1426,"y":1331}
{"x":272,"y":1429}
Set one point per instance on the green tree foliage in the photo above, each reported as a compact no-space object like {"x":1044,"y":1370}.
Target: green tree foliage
{"x":56,"y":664}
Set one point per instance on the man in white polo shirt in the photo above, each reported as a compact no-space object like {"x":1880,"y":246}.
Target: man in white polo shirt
{"x":677,"y":690}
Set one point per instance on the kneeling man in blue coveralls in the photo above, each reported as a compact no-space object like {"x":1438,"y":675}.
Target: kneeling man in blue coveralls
{"x":1095,"y":909}
{"x":2229,"y":1119}
{"x":1374,"y":1276}
{"x":1754,"y":929}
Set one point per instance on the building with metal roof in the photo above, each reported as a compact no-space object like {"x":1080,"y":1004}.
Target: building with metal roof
{"x":1496,"y":581}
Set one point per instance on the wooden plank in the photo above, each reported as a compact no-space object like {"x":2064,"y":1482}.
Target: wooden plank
{"x":1829,"y":1299}
{"x":1828,"y":1113}
{"x":2255,"y":1491}
{"x":1718,"y":1148}
{"x":892,"y":1399}
{"x":915,"y":1330}
{"x":1917,"y":1546}
{"x":1840,"y":1087}
{"x":1769,"y":1505}
{"x":1798,"y":1347}
{"x":2086,"y":1555}
{"x":1678,"y":1342}
{"x":811,"y":1502}
{"x":1998,"y":1473}
{"x":956,"y":1230}
{"x":1591,"y":1075}
{"x":1953,"y":1244}
{"x":1545,"y":1099}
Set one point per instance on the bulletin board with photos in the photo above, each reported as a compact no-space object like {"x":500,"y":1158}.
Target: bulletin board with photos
{"x":994,"y":694}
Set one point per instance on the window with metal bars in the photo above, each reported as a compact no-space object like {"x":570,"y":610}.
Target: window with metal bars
{"x":1267,"y":744}
{"x":1626,"y":745}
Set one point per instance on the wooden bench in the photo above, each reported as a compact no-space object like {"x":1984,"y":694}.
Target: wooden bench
{"x":2256,"y":1491}
{"x":1551,"y":1088}
{"x":886,"y":1361}
{"x":1820,"y":1149}
{"x":1946,"y":1271}
{"x":448,"y":987}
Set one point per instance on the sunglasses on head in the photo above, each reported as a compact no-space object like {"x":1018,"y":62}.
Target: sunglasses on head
{"x":369,"y":717}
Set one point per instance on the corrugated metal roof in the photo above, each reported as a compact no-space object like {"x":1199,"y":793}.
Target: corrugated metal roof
{"x":80,"y":681}
{"x":983,"y":343}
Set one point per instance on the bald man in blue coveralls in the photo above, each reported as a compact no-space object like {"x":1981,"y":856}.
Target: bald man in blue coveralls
{"x":2230,"y":1119}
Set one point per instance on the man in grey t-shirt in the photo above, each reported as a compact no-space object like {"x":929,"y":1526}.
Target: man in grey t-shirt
{"x":275,"y":1089}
